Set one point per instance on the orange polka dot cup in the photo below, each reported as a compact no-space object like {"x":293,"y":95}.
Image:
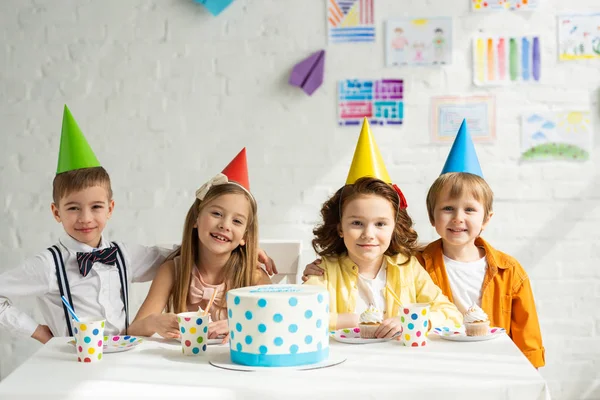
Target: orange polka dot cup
{"x":89,"y":339}
{"x":415,"y":324}
{"x":193,"y":328}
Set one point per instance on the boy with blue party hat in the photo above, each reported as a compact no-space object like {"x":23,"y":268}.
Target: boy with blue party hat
{"x":93,"y":273}
{"x":479,"y":279}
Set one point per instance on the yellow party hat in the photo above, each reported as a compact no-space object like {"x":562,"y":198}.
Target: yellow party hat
{"x":367,"y":159}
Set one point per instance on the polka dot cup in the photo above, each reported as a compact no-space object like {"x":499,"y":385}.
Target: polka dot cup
{"x":415,"y":324}
{"x":193,"y":328}
{"x":89,"y":339}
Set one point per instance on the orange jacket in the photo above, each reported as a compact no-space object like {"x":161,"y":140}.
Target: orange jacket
{"x":506,"y":296}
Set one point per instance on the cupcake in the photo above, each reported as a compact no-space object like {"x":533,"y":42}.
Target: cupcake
{"x":369,"y":321}
{"x":476,"y":321}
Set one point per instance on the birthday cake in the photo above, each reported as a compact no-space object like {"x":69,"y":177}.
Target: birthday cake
{"x":278,"y":325}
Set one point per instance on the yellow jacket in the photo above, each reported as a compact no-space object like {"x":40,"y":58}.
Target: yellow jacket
{"x":409,"y":282}
{"x":506,"y":296}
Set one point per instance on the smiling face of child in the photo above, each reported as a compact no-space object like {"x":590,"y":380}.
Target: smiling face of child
{"x":222,"y":223}
{"x":367,"y":227}
{"x":84,"y":213}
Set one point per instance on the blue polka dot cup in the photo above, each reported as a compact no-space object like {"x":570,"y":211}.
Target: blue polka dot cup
{"x":193,"y":328}
{"x":415,"y":324}
{"x":89,"y":339}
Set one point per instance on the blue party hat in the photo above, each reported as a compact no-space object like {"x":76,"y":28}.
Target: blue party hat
{"x":462,"y":157}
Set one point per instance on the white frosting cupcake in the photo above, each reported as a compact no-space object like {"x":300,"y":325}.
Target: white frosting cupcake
{"x":476,"y":321}
{"x":369,"y":321}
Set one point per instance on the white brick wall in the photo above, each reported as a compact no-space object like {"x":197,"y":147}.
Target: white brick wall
{"x":166,"y":94}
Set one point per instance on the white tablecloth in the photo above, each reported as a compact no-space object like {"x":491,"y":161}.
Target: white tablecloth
{"x":494,"y":369}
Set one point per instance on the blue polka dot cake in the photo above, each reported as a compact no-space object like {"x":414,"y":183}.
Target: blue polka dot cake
{"x":278,"y":325}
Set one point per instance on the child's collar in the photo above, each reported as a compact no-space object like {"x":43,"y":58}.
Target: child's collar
{"x":77,"y":246}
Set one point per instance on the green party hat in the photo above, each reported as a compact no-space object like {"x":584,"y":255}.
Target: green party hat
{"x":75,"y":152}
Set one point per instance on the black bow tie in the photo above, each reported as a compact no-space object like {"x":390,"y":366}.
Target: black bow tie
{"x":105,"y":256}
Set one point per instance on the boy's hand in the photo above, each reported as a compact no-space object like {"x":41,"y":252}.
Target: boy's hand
{"x":42,"y":334}
{"x":165,"y":325}
{"x":269,"y":264}
{"x":218,"y":328}
{"x":312,"y":269}
{"x":388,"y":328}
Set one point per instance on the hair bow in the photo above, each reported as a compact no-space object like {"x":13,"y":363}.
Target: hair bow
{"x":218,"y":179}
{"x":403,"y":203}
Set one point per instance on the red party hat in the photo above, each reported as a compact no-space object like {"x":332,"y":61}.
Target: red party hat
{"x":237,"y":170}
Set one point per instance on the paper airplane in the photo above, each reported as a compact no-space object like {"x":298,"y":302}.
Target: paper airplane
{"x":308,"y":74}
{"x":215,"y":6}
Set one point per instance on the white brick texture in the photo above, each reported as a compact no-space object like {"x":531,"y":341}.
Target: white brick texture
{"x":167,"y":94}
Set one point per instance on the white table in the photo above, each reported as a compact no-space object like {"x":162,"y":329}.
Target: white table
{"x":493,"y":369}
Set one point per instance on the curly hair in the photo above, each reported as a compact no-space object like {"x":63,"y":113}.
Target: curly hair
{"x":327,"y":241}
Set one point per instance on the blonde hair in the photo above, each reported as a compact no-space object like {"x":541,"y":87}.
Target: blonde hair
{"x":238,"y":270}
{"x":327,"y":241}
{"x":68,"y":182}
{"x":459,"y":183}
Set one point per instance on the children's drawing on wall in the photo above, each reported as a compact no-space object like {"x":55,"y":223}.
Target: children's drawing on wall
{"x":418,"y":41}
{"x":381,"y":101}
{"x":350,"y":21}
{"x":448,"y":112}
{"x":501,"y":5}
{"x":578,"y":37}
{"x":506,"y":60}
{"x":557,"y":136}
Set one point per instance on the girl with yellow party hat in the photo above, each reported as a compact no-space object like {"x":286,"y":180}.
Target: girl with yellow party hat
{"x":366,"y":242}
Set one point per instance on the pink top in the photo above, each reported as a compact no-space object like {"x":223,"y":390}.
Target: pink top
{"x":200,"y":292}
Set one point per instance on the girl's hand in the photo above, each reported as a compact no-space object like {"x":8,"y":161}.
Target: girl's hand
{"x":225,"y":339}
{"x":218,"y":328}
{"x":268,"y":262}
{"x":312,"y":269}
{"x":388,"y":328}
{"x":165,"y":325}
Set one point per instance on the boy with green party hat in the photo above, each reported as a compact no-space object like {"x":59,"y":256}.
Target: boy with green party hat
{"x":93,"y":273}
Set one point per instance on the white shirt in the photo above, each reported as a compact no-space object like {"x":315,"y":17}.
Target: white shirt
{"x":96,"y":295}
{"x":466,"y":279}
{"x":371,"y":291}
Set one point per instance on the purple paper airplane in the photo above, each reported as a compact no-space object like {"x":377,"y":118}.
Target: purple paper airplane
{"x":308,"y":73}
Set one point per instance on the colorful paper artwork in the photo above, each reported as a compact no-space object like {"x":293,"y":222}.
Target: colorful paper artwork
{"x":418,"y":41}
{"x":308,"y":73}
{"x":448,"y":112}
{"x":350,"y":21}
{"x":501,"y":5}
{"x":381,"y":101}
{"x":579,"y":37}
{"x":506,"y":60}
{"x":557,"y":136}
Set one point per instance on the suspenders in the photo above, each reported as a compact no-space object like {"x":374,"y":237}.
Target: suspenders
{"x":63,"y":283}
{"x":124,"y":287}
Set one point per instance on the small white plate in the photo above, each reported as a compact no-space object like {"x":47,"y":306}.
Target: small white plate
{"x":461,"y":336}
{"x":117,"y":344}
{"x":352,"y":336}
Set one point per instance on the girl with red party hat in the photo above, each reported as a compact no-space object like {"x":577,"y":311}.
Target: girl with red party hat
{"x":218,"y":253}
